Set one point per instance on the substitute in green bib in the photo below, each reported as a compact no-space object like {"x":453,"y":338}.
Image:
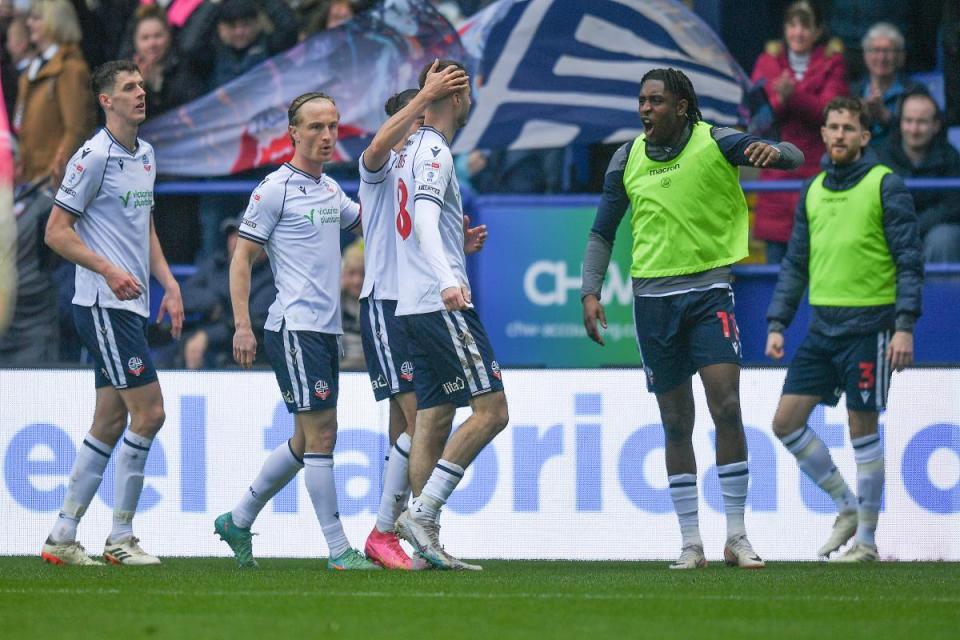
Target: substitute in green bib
{"x":856,"y":247}
{"x":680,"y":181}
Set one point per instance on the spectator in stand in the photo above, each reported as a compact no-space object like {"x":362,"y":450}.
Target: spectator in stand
{"x":915,"y":19}
{"x":54,"y":112}
{"x":885,"y":84}
{"x":920,"y":150}
{"x":206,"y":301}
{"x":951,"y":61}
{"x":222,"y":41}
{"x":799,"y":78}
{"x":19,"y":52}
{"x":351,"y":283}
{"x":225,"y":40}
{"x":169,"y":80}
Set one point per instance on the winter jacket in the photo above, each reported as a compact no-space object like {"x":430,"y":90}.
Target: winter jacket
{"x":55,"y":113}
{"x":799,"y":120}
{"x":942,"y":161}
{"x":903,"y":242}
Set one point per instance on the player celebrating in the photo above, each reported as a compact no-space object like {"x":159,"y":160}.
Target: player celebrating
{"x":453,"y":362}
{"x":855,"y":242}
{"x":102,"y":221}
{"x":297,"y":213}
{"x":689,"y":226}
{"x":384,"y":343}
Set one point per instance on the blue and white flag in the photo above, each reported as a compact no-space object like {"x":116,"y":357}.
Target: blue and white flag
{"x":243,"y":124}
{"x":549,"y":73}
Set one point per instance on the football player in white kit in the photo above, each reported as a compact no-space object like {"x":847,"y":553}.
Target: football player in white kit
{"x":384,"y":342}
{"x":102,"y":221}
{"x":296,"y":214}
{"x":454,"y":364}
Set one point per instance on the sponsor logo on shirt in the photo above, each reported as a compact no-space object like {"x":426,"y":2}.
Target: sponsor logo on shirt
{"x":137,"y":198}
{"x":73,"y":178}
{"x":431,"y":171}
{"x":656,"y":172}
{"x":325,"y":215}
{"x":428,"y":189}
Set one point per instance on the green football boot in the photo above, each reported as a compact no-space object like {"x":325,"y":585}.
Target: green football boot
{"x":240,"y":540}
{"x":351,"y":560}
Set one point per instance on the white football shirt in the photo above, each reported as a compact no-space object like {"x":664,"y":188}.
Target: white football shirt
{"x":298,"y":218}
{"x":110,"y":189}
{"x":378,"y":199}
{"x":427,"y":174}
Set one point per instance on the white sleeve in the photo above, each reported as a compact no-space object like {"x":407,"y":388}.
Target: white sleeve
{"x":432,"y":171}
{"x":83,"y":176}
{"x":426,"y":226}
{"x":349,"y":213}
{"x":379,"y":175}
{"x":264,"y":210}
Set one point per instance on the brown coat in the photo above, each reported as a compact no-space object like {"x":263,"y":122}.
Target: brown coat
{"x":54,"y":114}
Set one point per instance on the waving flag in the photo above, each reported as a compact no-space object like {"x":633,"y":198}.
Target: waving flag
{"x":243,"y":124}
{"x":555,"y":72}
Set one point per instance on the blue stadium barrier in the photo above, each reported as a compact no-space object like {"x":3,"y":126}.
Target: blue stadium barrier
{"x":936,"y":340}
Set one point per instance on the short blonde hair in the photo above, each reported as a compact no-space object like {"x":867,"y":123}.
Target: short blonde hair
{"x":60,"y":18}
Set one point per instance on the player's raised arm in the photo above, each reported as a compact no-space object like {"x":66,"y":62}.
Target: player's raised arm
{"x":743,"y":149}
{"x":437,"y":85}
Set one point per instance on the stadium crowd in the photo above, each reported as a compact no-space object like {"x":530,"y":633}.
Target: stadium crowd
{"x":186,"y":48}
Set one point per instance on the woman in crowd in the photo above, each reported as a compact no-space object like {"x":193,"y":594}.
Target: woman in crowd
{"x":800,"y":77}
{"x":169,"y":80}
{"x":55,"y":110}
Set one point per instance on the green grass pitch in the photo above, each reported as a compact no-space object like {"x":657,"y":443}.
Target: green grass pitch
{"x":210,"y":598}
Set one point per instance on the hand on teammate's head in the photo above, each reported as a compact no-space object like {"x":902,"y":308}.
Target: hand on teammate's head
{"x":440,"y":84}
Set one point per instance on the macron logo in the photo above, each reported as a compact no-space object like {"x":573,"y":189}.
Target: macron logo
{"x":435,"y":151}
{"x":84,"y":153}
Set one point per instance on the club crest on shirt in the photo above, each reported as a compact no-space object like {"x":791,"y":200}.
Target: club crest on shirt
{"x":146,"y":162}
{"x":495,"y":369}
{"x":135,"y":366}
{"x":406,"y":370}
{"x":321,"y":389}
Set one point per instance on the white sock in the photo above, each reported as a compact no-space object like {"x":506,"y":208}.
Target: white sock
{"x":85,"y":478}
{"x":396,"y":485}
{"x":683,"y":492}
{"x":280,"y":467}
{"x":444,"y":479}
{"x":814,"y":460}
{"x":131,"y":460}
{"x":734,"y":480}
{"x":868,"y":452}
{"x":318,"y":475}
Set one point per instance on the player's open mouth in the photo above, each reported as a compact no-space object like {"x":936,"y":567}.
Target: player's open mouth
{"x":647,"y":125}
